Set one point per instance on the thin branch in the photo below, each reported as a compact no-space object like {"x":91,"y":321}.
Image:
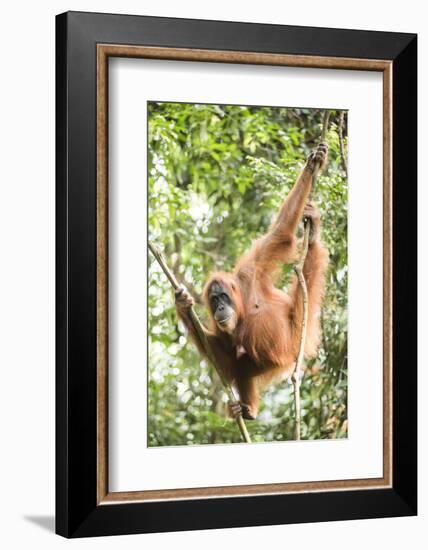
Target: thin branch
{"x":341,"y":142}
{"x":299,"y":361}
{"x":201,"y":334}
{"x":302,"y":283}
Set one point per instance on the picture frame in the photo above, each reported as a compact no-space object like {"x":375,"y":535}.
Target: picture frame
{"x":84,"y":44}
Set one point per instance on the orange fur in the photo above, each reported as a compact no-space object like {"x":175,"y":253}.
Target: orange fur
{"x":268,"y":319}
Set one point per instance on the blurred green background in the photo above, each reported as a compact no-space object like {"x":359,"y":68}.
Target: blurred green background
{"x":217,"y":176}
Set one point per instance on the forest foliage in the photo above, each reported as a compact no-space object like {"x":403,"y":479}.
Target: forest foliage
{"x":217,"y":175}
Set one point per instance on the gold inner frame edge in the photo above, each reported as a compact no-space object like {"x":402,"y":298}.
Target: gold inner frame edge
{"x":104,"y":51}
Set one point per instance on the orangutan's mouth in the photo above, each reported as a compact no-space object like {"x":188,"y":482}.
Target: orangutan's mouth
{"x":224,"y":321}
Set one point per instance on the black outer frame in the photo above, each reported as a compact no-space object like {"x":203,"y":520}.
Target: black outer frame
{"x":77,"y":513}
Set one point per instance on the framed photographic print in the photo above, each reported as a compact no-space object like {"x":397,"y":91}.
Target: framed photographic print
{"x":236,"y":274}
